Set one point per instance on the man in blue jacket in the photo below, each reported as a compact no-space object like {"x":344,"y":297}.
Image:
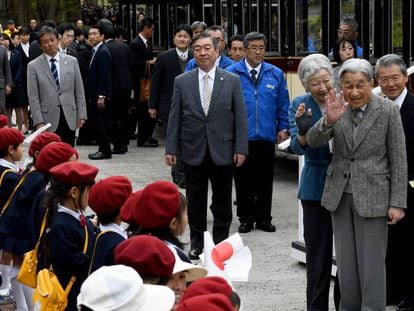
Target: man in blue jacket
{"x":267,"y":103}
{"x":222,"y":60}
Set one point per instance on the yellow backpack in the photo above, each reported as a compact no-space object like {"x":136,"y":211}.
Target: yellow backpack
{"x":49,"y":294}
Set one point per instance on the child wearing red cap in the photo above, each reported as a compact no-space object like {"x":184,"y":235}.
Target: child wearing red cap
{"x":161,"y":210}
{"x":16,"y":221}
{"x":106,"y":198}
{"x":68,"y":230}
{"x":4,"y":121}
{"x":11,"y":151}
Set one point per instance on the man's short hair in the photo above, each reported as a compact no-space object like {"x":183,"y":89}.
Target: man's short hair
{"x":98,"y":27}
{"x":350,"y":21}
{"x":204,"y":35}
{"x":356,"y":65}
{"x":236,"y":38}
{"x":216,"y":28}
{"x":253,"y":36}
{"x":390,"y":60}
{"x":49,"y":23}
{"x":198,"y":24}
{"x":120,"y":31}
{"x":24,"y":31}
{"x":146,"y":22}
{"x":65,"y":27}
{"x":184,"y":27}
{"x":46,"y":30}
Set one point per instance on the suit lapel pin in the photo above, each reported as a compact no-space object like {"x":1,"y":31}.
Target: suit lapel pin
{"x":221,"y":78}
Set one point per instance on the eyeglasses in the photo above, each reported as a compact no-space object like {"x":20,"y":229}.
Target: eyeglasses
{"x":260,"y":48}
{"x":387,"y":80}
{"x":343,"y":32}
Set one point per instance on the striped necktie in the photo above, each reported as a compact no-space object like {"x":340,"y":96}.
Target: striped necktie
{"x":53,"y":68}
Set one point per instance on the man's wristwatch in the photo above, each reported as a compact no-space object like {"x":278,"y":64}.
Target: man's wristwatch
{"x":101,"y":97}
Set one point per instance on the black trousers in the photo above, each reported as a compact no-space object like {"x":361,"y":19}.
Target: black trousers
{"x":254,"y":183}
{"x":400,"y":260}
{"x":317,"y":225}
{"x":119,"y":118}
{"x":146,"y":124}
{"x":197,"y":191}
{"x":101,"y":123}
{"x":63,"y":130}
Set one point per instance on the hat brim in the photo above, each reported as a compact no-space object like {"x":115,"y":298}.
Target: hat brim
{"x":159,"y":298}
{"x":194,"y":272}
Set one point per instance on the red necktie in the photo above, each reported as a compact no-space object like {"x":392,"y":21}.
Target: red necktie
{"x":82,"y":220}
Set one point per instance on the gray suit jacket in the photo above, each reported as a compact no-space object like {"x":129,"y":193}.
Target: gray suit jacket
{"x":45,"y":97}
{"x":223,"y":130}
{"x":375,"y":162}
{"x":5,"y":78}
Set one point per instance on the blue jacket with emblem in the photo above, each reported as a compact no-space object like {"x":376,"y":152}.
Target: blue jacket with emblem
{"x":224,"y":63}
{"x":267,"y":104}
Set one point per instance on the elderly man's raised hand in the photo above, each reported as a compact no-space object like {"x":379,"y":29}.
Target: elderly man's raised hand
{"x":335,"y":107}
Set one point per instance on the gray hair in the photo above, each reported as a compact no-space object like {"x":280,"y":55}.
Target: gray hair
{"x":253,"y":36}
{"x":204,"y":35}
{"x":311,"y":65}
{"x":351,"y":22}
{"x":390,"y":60}
{"x":355,"y":65}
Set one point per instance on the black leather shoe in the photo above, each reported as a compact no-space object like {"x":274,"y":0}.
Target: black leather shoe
{"x":245,"y":227}
{"x":405,"y":306}
{"x":147,"y":144}
{"x":195,"y":253}
{"x":153,"y":140}
{"x":265,"y":226}
{"x":119,"y":150}
{"x":93,"y":154}
{"x":99,"y":156}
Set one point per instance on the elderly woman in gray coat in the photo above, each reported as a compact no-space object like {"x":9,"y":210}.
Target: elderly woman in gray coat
{"x":365,"y":186}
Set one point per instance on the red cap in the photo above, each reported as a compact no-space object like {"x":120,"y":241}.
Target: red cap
{"x":158,"y":205}
{"x":210,"y":302}
{"x":4,"y":121}
{"x":54,"y":154}
{"x":148,"y":255}
{"x":127,"y":210}
{"x":207,"y":285}
{"x":109,"y":194}
{"x":42,"y":140}
{"x":10,"y":137}
{"x":74,"y":173}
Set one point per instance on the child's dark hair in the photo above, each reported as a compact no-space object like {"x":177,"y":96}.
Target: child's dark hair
{"x":57,"y":192}
{"x":106,"y":219}
{"x":165,"y":232}
{"x":235,"y":299}
{"x":5,"y":152}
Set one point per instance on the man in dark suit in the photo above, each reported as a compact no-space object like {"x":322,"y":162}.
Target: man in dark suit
{"x":98,"y":91}
{"x":169,"y":65}
{"x":5,"y":79}
{"x":66,"y":37}
{"x":207,"y":127}
{"x":121,"y":90}
{"x":391,"y":74}
{"x":142,"y":59}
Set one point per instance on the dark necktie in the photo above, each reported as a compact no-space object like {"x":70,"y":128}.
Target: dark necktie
{"x":253,"y":73}
{"x":92,"y":54}
{"x":356,"y":116}
{"x":53,"y":68}
{"x":149,"y":47}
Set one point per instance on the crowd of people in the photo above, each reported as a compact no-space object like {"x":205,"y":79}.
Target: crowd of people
{"x":223,"y":108}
